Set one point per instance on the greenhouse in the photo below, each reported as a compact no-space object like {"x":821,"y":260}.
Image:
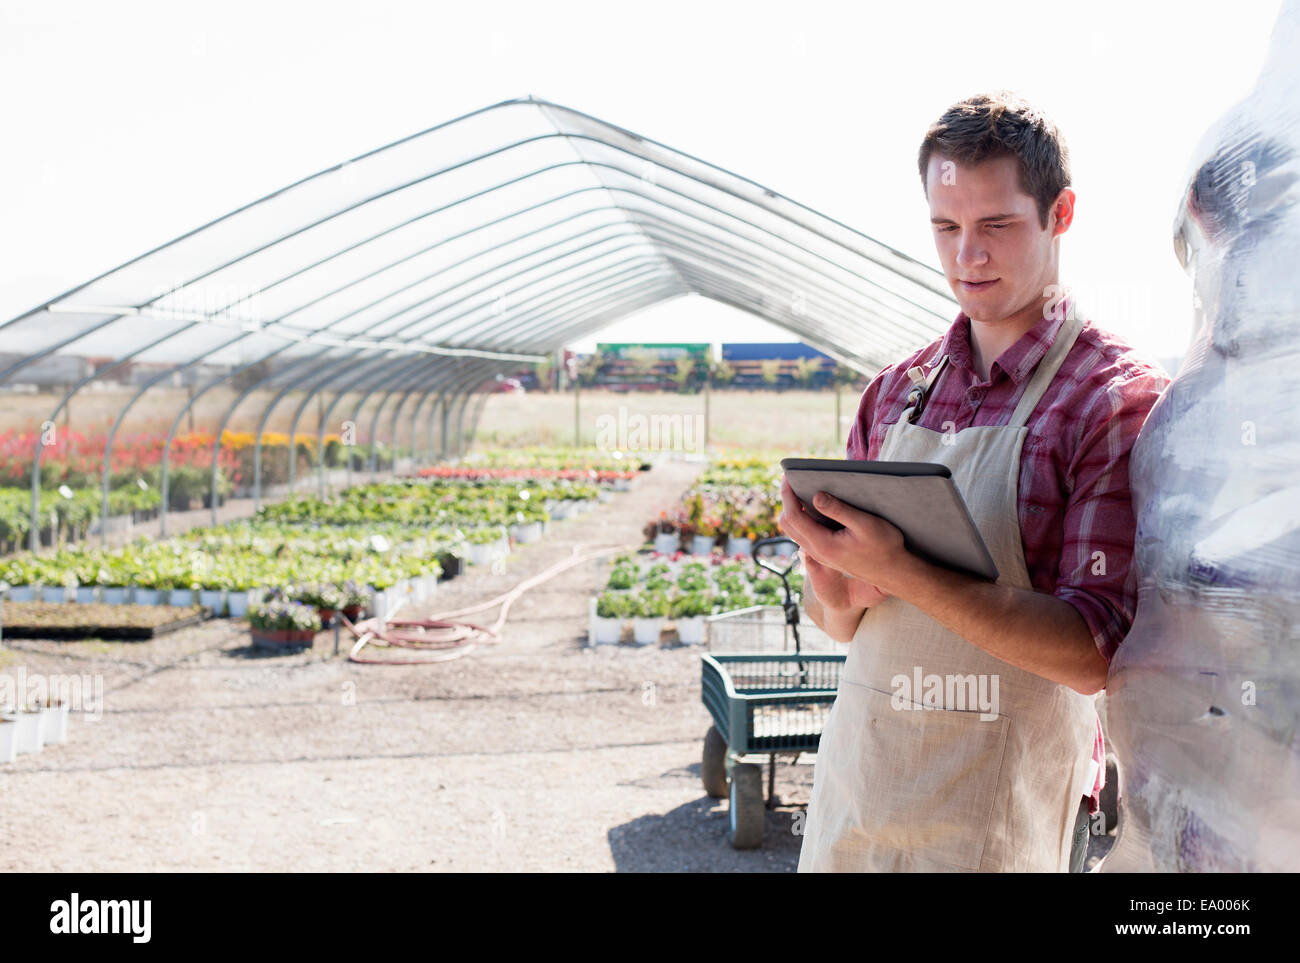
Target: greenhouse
{"x":527,"y":494}
{"x":401,"y":281}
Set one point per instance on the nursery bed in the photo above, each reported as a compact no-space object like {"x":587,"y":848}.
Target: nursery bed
{"x":80,"y":620}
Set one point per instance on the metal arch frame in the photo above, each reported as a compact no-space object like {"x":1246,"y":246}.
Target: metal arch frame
{"x":392,"y":190}
{"x":441,"y":397}
{"x":303,"y":359}
{"x":310,"y":395}
{"x":702,"y":239}
{"x":401,"y":368}
{"x":374,"y":197}
{"x":270,"y":408}
{"x":479,"y":254}
{"x":529,"y":101}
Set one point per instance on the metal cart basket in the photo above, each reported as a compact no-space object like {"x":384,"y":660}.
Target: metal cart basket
{"x":766,"y":701}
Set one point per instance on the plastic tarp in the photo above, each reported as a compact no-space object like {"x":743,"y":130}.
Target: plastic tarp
{"x":1203,"y":698}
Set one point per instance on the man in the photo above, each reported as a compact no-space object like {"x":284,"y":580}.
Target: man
{"x":1034,"y":410}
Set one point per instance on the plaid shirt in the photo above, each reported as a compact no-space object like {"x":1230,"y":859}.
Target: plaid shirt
{"x":1074,"y":498}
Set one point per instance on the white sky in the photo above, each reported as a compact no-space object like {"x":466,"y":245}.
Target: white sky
{"x":125,"y":124}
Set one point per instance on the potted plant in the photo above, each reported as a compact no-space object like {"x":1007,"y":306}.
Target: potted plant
{"x":212,"y":593}
{"x":622,"y":578}
{"x":29,"y":727}
{"x":612,"y":609}
{"x":484,"y":543}
{"x":355,"y":598}
{"x":667,"y":537}
{"x":280,"y":623}
{"x":325,"y":597}
{"x":740,"y":544}
{"x":651,"y":608}
{"x":658,"y":578}
{"x":706,"y":535}
{"x":688,"y":612}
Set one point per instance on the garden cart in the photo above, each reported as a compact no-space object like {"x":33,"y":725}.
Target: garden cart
{"x":765,"y":702}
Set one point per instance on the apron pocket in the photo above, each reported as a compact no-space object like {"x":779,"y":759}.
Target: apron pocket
{"x":920,"y":783}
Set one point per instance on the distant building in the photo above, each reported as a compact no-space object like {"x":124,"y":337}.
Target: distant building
{"x":747,"y":360}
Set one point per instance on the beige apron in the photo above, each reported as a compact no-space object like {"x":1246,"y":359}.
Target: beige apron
{"x":940,"y":789}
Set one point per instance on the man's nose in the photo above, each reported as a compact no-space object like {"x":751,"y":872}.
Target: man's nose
{"x":970,"y":251}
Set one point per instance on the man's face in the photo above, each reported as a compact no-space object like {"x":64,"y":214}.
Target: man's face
{"x":986,"y":230}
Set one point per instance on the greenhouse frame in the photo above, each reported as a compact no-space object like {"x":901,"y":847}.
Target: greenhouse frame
{"x":414,"y":273}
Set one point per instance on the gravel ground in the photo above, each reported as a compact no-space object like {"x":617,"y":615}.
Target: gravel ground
{"x":537,"y":753}
{"x":534,"y":754}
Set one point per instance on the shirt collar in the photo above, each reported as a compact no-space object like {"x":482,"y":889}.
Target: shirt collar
{"x":1019,"y":360}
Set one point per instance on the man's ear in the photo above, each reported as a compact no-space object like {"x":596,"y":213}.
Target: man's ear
{"x":1063,"y":211}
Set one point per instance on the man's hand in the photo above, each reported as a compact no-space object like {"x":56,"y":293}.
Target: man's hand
{"x":1033,"y":630}
{"x":834,"y":589}
{"x":833,"y":599}
{"x":868,"y":549}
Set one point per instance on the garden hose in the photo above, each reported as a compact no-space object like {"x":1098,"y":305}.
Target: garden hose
{"x":445,"y":638}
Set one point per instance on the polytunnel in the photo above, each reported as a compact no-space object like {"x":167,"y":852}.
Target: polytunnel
{"x":406,"y":278}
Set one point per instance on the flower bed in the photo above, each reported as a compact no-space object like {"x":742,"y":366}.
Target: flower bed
{"x":55,"y":620}
{"x":387,"y":539}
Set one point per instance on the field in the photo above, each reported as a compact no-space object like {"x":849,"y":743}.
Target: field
{"x":794,"y":421}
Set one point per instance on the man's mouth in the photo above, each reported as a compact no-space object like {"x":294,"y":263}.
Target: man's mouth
{"x":978,"y":285}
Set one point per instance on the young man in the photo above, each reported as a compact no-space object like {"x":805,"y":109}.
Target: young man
{"x":1035,"y":411}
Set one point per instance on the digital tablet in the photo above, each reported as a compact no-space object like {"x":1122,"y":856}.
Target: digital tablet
{"x":920,"y":498}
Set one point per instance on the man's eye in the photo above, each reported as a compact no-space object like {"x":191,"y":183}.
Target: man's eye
{"x":945,"y":230}
{"x":999,"y":226}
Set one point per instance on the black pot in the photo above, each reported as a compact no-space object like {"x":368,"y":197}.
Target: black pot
{"x":452,"y":565}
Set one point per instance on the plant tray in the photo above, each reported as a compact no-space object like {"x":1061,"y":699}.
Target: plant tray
{"x":73,"y":620}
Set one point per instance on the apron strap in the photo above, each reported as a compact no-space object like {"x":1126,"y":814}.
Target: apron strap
{"x":1045,"y":371}
{"x":920,"y":390}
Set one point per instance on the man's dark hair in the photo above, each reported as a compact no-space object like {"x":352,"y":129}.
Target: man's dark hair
{"x":998,"y":124}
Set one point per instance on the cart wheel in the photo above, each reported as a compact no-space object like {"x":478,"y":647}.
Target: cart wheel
{"x":713,"y":767}
{"x":746,"y":812}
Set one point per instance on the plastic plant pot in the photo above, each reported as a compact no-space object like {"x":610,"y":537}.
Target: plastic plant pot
{"x":56,"y":722}
{"x":690,"y":631}
{"x":666,"y":543}
{"x":646,"y":630}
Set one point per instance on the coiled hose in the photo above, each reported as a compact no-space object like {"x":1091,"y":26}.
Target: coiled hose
{"x":444,"y":639}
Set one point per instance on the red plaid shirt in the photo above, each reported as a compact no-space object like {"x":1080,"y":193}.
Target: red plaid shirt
{"x":1074,"y":497}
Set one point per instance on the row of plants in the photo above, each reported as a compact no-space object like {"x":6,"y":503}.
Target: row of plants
{"x":76,"y":459}
{"x":652,"y":590}
{"x":173,"y":564}
{"x":340,"y":551}
{"x":735,"y":502}
{"x":445,"y":502}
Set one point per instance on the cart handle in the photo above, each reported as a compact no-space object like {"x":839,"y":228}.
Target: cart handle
{"x":783,"y":572}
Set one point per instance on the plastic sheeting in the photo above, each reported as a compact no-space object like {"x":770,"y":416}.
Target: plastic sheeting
{"x":1204,"y":693}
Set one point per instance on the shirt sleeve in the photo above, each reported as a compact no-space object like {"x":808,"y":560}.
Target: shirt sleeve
{"x":859,"y":443}
{"x":1096,"y":573}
